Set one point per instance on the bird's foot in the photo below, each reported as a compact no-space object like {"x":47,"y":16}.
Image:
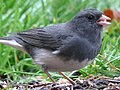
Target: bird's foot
{"x":69,"y":79}
{"x":44,"y":68}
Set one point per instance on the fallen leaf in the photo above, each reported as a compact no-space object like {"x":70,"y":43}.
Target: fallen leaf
{"x":113,"y":14}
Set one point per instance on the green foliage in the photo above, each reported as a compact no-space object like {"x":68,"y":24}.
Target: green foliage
{"x":18,"y":15}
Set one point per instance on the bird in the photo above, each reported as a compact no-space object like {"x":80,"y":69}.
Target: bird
{"x":65,"y":46}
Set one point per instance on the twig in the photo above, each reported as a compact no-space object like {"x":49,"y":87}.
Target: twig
{"x":114,"y":81}
{"x":112,"y":66}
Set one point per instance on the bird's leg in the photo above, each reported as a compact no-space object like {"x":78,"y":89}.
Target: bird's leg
{"x":44,"y":68}
{"x":70,"y":80}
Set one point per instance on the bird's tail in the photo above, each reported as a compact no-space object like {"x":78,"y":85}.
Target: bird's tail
{"x":11,"y":41}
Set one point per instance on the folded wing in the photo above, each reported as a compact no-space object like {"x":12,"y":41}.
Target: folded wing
{"x":39,"y":38}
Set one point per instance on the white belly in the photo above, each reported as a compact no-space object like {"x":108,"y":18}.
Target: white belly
{"x":57,"y":64}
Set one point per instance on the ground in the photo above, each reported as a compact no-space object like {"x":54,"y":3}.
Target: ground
{"x":91,"y":83}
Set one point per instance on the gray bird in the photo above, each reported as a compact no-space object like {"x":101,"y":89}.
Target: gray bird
{"x":63,"y":47}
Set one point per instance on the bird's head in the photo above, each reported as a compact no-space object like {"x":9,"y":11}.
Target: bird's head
{"x":90,"y":20}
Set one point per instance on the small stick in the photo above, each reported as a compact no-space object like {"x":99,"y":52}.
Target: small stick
{"x":112,"y":66}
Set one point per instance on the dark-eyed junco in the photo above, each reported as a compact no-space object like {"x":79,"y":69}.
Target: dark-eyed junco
{"x":63,"y":47}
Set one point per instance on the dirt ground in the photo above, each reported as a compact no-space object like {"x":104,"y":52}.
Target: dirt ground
{"x":92,"y":83}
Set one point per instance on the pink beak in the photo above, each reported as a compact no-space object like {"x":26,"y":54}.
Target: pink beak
{"x":104,"y":20}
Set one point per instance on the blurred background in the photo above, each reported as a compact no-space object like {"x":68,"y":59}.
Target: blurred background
{"x":18,"y":15}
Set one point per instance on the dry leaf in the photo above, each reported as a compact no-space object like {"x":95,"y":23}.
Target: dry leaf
{"x":113,"y":14}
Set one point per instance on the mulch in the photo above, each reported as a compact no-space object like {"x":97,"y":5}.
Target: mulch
{"x":92,"y":83}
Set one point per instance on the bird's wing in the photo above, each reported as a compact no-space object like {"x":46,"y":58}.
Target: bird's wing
{"x":39,"y":38}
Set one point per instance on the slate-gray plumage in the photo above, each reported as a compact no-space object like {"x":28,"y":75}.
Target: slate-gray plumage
{"x":63,"y":47}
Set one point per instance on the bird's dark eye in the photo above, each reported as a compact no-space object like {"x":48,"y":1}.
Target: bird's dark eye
{"x":90,"y":17}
